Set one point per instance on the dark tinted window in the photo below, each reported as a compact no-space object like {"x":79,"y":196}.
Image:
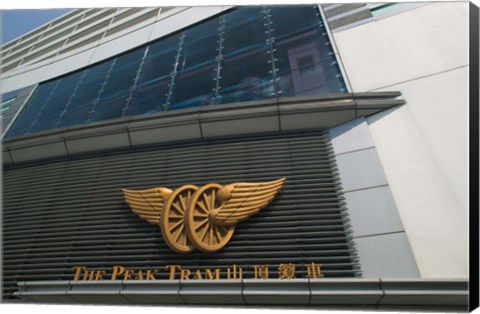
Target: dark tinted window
{"x":247,"y":54}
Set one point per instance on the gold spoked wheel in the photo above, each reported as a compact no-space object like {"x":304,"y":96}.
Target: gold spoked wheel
{"x":173,"y":219}
{"x":206,"y":236}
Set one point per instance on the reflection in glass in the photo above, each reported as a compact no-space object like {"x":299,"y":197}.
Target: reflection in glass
{"x":194,"y":83}
{"x":82,"y":102}
{"x":39,"y":98}
{"x":247,"y":54}
{"x":246,"y":73}
{"x":154,"y":79}
{"x":117,"y":89}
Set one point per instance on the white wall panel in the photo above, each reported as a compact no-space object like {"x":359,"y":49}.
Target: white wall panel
{"x":121,"y":44}
{"x":372,"y":212}
{"x":23,"y":79}
{"x":386,"y":256}
{"x":360,"y":170}
{"x":183,"y":19}
{"x":423,"y":145}
{"x":420,"y":42}
{"x":351,"y":136}
{"x":424,"y":150}
{"x":74,"y":62}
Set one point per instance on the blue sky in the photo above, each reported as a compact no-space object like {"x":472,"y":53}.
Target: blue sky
{"x":15,"y":23}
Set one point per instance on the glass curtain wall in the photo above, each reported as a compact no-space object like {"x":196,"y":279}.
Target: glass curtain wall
{"x":248,"y":54}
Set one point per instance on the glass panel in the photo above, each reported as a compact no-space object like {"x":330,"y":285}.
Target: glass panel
{"x":232,"y":58}
{"x":88,"y":90}
{"x":289,"y":21}
{"x":27,"y":116}
{"x":117,"y":89}
{"x":154,"y":80}
{"x":303,"y":55}
{"x":194,"y":80}
{"x":246,"y":72}
{"x":50,"y":113}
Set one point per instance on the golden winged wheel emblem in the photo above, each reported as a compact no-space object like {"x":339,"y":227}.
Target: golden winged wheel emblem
{"x":201,"y":218}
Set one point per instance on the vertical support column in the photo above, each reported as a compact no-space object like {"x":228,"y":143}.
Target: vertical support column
{"x":173,"y":75}
{"x":65,"y":109}
{"x":43,"y":106}
{"x":135,"y":82}
{"x":100,"y":92}
{"x":271,"y":49}
{"x":219,"y":59}
{"x":331,"y":40}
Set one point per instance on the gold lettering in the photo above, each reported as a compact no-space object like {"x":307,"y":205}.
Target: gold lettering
{"x":233,"y":274}
{"x":314,"y":270}
{"x":286,"y":271}
{"x":100,"y":274}
{"x":78,"y":271}
{"x":198,"y":274}
{"x":151,"y":274}
{"x":209,"y":274}
{"x":88,"y":275}
{"x":117,"y":270}
{"x":139,"y":275}
{"x":260,"y":271}
{"x":172,"y":270}
{"x":185,"y":274}
{"x":128,"y":274}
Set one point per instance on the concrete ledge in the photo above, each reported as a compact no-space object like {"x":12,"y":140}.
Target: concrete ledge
{"x":453,"y":292}
{"x":320,"y":293}
{"x":346,"y":291}
{"x":107,"y":292}
{"x":152,"y":292}
{"x":46,"y":291}
{"x":276,"y":291}
{"x":263,"y":116}
{"x":211,"y":292}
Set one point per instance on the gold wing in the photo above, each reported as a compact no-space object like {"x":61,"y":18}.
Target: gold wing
{"x":148,"y":204}
{"x":242,"y":200}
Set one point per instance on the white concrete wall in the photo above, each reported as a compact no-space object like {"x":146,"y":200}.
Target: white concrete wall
{"x":423,"y":146}
{"x":379,"y":236}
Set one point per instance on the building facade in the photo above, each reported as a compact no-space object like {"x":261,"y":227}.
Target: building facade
{"x":361,"y":108}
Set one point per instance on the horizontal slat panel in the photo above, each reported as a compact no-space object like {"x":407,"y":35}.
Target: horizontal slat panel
{"x":66,"y":213}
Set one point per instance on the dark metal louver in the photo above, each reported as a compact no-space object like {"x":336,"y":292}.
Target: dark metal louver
{"x":66,"y":213}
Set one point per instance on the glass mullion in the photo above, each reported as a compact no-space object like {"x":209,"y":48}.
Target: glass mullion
{"x":88,"y":91}
{"x":173,"y":75}
{"x":125,"y":109}
{"x":194,"y":80}
{"x":150,"y":94}
{"x":23,"y":123}
{"x":100,"y":92}
{"x":246,"y":72}
{"x":118,"y":86}
{"x":69,"y":102}
{"x":247,"y":54}
{"x":304,"y":57}
{"x":47,"y":102}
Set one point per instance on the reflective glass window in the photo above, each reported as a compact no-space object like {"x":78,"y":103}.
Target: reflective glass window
{"x":155,"y":78}
{"x":246,"y":54}
{"x":29,"y":113}
{"x":246,"y":73}
{"x":304,"y":58}
{"x":49,"y":114}
{"x":89,"y":89}
{"x":194,"y":75}
{"x":120,"y":80}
